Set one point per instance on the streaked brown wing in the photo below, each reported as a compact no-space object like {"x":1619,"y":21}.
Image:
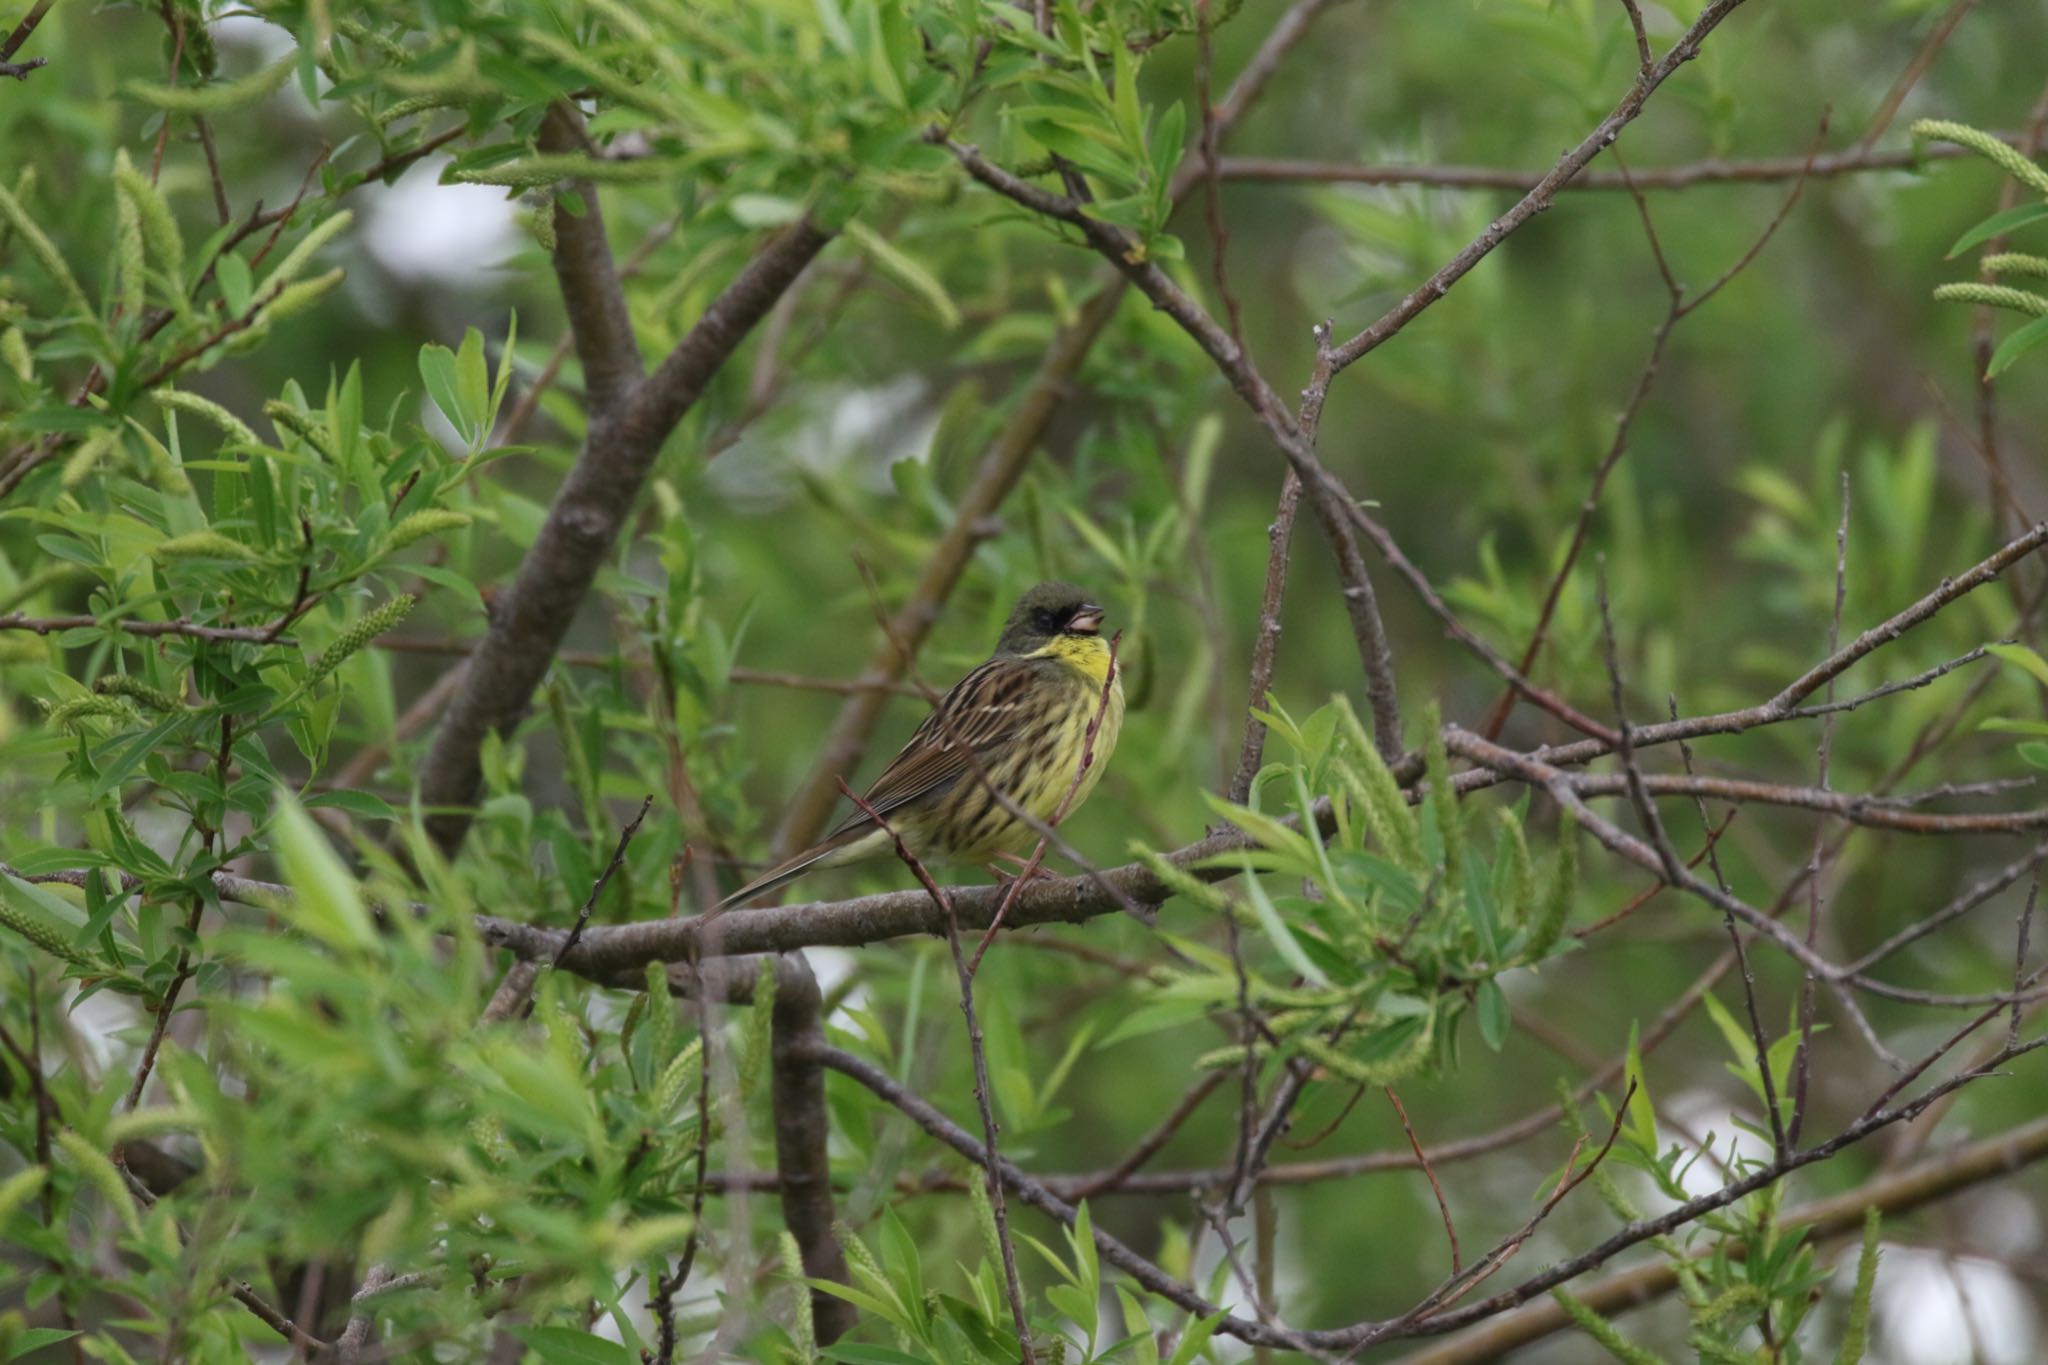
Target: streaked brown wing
{"x":983,"y":710}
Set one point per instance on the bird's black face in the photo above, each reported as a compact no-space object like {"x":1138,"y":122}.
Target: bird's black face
{"x":1046,"y":612}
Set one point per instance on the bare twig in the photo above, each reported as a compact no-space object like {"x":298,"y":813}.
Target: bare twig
{"x":1540,"y":196}
{"x":1265,"y":644}
{"x":982,"y":1092}
{"x":1766,"y":170}
{"x":1435,"y":1186}
{"x":46,"y":625}
{"x":1802,"y":1058}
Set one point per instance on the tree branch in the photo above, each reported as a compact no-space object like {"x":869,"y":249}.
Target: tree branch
{"x":589,"y":278}
{"x":1541,"y":195}
{"x":583,"y":524}
{"x":1893,"y":1195}
{"x":1763,"y":170}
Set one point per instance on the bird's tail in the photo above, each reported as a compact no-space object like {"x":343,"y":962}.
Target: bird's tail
{"x":842,"y":846}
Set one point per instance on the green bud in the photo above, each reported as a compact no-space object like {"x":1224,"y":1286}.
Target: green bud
{"x":1995,"y":295}
{"x":432,"y":522}
{"x":217,"y":97}
{"x":67,"y":714}
{"x":40,"y":247}
{"x":203,"y":545}
{"x":159,"y":224}
{"x":135,"y":689}
{"x":230,"y":425}
{"x":2014,"y":162}
{"x":323,"y":232}
{"x":1557,"y":905}
{"x":14,"y":351}
{"x":358,"y":635}
{"x":97,"y":1170}
{"x":297,"y":297}
{"x":2015,"y":263}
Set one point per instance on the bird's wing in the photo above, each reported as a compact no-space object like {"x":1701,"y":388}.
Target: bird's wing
{"x":983,"y":711}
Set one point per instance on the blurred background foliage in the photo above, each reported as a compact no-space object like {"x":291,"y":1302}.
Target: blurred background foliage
{"x":849,"y":427}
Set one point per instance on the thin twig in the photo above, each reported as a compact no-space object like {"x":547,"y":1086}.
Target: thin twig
{"x":1802,"y":1058}
{"x":1266,"y":641}
{"x":982,"y":1089}
{"x":1436,"y":1187}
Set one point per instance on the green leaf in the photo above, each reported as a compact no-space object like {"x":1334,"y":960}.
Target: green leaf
{"x":2010,"y":725}
{"x":235,"y":283}
{"x":362,"y":805}
{"x":1277,"y":930}
{"x":329,"y":904}
{"x":1998,"y":225}
{"x":1196,"y":1339}
{"x":36,"y":1338}
{"x":2017,"y":345}
{"x":571,"y":1346}
{"x":444,"y":385}
{"x":1493,"y":1014}
{"x":906,"y":271}
{"x":856,"y":1353}
{"x":1642,"y":1115}
{"x":2022,"y":657}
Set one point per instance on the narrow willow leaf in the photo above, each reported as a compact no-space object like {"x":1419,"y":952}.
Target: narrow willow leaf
{"x":2016,"y":345}
{"x":1276,"y":929}
{"x":328,"y":904}
{"x":1998,"y":225}
{"x":906,"y":271}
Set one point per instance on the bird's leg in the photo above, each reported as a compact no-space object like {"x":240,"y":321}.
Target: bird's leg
{"x":1004,"y":878}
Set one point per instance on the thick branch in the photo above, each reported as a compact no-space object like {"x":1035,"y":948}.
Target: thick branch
{"x":802,"y":1129}
{"x":598,"y":320}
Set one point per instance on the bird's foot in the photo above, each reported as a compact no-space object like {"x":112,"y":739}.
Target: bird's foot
{"x":1025,"y":870}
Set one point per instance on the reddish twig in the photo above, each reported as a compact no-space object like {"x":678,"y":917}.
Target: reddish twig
{"x":1435,"y":1186}
{"x":989,"y":1126}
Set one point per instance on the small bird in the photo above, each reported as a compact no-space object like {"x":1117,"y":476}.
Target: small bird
{"x":1023,"y":717}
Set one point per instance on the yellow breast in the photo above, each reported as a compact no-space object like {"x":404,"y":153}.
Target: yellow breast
{"x":1086,"y":654}
{"x":1088,"y":657}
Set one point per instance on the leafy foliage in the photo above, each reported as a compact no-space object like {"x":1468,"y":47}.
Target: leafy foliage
{"x":260,"y":486}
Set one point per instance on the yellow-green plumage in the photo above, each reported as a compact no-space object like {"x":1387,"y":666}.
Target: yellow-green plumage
{"x":1019,"y":723}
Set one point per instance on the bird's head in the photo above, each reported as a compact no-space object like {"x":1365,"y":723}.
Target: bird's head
{"x":1046,"y":613}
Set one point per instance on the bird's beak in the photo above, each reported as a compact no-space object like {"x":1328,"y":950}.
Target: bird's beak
{"x":1087,"y":621}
